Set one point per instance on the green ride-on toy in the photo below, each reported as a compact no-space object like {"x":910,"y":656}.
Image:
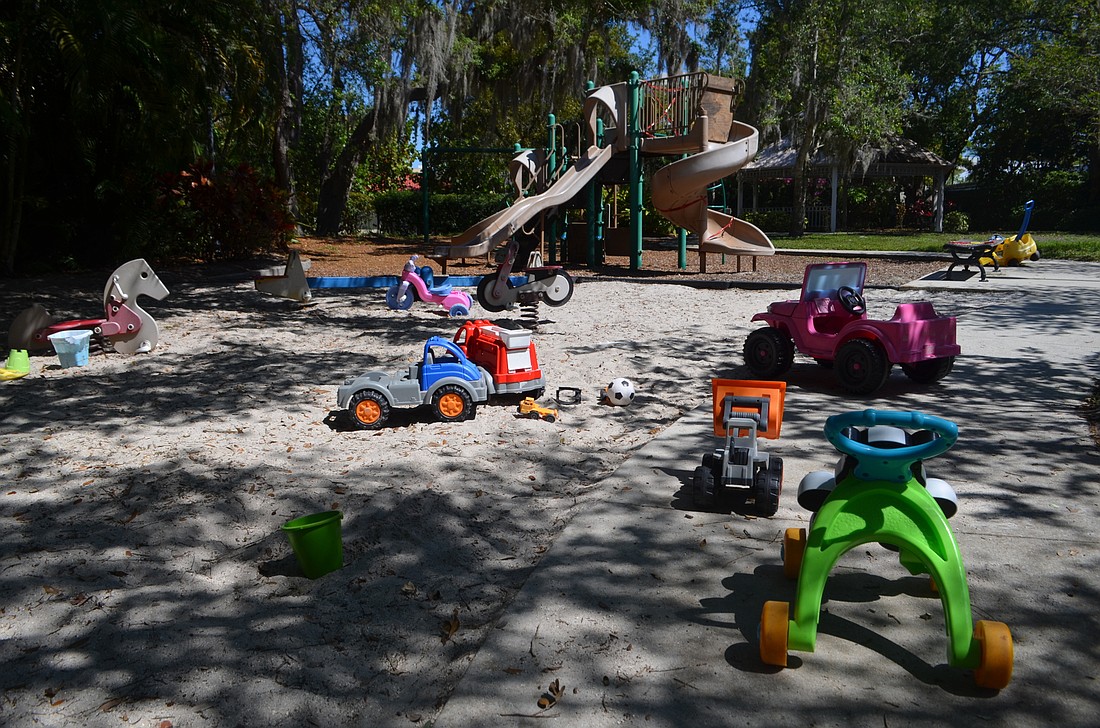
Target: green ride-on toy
{"x":879,"y":492}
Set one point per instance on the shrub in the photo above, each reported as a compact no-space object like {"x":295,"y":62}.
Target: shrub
{"x":770,"y":221}
{"x":401,"y":213}
{"x":956,"y":222}
{"x":227,"y":216}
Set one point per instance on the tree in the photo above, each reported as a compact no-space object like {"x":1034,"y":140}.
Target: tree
{"x":825,"y":76}
{"x":1046,"y":105}
{"x":378,"y":52}
{"x":100,"y":97}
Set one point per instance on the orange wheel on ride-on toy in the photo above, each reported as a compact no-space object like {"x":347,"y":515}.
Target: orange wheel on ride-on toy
{"x":995,"y":670}
{"x":773,"y":633}
{"x":794,"y":547}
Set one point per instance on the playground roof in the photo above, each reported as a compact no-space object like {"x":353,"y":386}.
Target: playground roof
{"x":900,"y":157}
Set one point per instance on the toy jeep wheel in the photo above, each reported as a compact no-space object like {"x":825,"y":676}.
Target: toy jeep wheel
{"x":861,"y":366}
{"x":452,"y":403}
{"x":766,"y":486}
{"x":929,"y":370}
{"x":369,"y":410}
{"x":702,"y":487}
{"x":768,"y":352}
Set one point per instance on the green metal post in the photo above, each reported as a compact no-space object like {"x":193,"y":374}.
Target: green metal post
{"x":685,"y":127}
{"x":595,"y":220}
{"x":551,"y":230}
{"x":634,"y":125}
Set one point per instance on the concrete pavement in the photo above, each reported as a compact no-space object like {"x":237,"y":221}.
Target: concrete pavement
{"x":645,"y":611}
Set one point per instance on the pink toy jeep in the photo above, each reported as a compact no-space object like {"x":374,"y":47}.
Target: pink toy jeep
{"x":829,"y":323}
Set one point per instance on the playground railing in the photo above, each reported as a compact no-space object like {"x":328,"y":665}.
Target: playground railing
{"x":670,"y":105}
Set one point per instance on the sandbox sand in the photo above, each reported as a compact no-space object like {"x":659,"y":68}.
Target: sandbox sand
{"x":144,"y":575}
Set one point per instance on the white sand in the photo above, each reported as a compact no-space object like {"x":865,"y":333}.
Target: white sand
{"x":144,"y":576}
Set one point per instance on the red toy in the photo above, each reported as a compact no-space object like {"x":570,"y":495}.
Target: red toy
{"x":829,"y":323}
{"x":508,"y":354}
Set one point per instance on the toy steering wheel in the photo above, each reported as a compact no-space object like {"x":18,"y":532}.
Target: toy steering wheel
{"x":852,"y":302}
{"x":889,"y":464}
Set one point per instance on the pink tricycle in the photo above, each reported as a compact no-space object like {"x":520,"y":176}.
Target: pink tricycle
{"x":829,"y":323}
{"x":399,"y":297}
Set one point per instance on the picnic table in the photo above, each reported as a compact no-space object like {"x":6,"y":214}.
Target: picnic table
{"x":966,"y":253}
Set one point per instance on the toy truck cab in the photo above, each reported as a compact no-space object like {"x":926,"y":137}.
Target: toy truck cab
{"x":829,"y":324}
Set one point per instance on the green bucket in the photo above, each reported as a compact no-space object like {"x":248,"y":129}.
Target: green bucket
{"x":317,"y":542}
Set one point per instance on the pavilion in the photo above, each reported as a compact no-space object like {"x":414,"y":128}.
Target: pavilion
{"x":901,"y":158}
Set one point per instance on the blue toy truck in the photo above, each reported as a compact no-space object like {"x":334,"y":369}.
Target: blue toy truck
{"x":445,"y":379}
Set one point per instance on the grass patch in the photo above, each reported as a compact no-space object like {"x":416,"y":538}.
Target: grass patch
{"x":1053,"y":245}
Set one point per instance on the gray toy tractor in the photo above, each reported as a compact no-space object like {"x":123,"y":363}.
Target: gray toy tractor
{"x":738,"y":475}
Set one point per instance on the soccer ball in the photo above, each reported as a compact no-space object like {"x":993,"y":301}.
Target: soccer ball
{"x":619,"y":393}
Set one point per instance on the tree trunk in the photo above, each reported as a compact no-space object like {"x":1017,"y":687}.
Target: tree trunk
{"x":289,"y":66}
{"x":1094,"y":175}
{"x":806,"y":148}
{"x":798,"y":186}
{"x":333,"y":196}
{"x":12,"y":214}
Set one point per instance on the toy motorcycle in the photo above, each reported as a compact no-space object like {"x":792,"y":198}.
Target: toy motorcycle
{"x":412,"y":285}
{"x":880,"y":493}
{"x":550,"y":283}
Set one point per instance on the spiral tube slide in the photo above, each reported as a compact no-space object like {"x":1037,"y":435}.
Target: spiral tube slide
{"x":679,"y":193}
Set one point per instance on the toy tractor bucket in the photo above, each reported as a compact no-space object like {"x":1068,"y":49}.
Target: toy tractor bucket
{"x":773,"y":392}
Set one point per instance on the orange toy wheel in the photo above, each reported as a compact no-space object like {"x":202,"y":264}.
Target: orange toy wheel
{"x":794,"y":547}
{"x":995,"y":669}
{"x":773,"y":633}
{"x":452,"y":403}
{"x":369,"y":410}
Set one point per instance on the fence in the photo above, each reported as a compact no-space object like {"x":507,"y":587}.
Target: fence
{"x":817,"y":217}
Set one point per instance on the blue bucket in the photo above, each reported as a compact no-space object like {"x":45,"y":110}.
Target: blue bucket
{"x":71,"y":347}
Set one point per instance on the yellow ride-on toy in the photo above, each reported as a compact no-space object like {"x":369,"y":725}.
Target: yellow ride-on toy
{"x":1019,"y":247}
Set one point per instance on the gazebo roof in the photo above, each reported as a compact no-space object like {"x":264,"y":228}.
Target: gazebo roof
{"x":899,"y":158}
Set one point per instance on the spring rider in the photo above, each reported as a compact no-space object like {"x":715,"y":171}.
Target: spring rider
{"x":879,"y":492}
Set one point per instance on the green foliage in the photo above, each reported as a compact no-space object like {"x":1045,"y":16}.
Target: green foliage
{"x":97,"y":98}
{"x":956,"y":222}
{"x":768,"y":221}
{"x":401,"y":213}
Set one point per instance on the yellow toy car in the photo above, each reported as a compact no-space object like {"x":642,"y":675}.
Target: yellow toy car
{"x":530,"y":408}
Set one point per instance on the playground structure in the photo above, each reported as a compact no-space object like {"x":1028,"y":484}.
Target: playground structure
{"x":879,"y":492}
{"x":688,"y":116}
{"x":127,"y":327}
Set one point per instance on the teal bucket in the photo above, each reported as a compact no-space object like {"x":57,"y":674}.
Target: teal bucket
{"x":71,"y":347}
{"x":317,"y":542}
